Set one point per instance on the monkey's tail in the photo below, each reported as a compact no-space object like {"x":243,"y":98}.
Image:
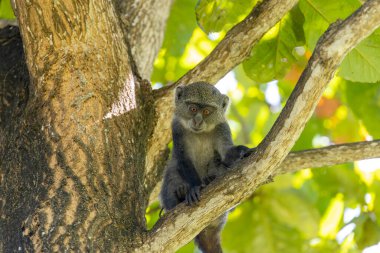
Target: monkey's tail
{"x":208,"y":240}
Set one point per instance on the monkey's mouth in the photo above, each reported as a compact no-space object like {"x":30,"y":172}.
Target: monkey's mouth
{"x":196,"y":129}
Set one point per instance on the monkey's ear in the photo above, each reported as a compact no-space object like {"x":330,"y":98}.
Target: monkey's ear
{"x":225,"y":103}
{"x":179,"y":92}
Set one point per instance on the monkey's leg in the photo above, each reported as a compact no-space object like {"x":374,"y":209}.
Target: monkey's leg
{"x":208,"y":240}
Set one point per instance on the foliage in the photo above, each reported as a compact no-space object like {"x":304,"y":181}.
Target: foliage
{"x":6,"y":10}
{"x":335,"y":209}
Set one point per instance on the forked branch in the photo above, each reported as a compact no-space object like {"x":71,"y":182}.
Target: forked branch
{"x":183,"y":223}
{"x":232,"y":50}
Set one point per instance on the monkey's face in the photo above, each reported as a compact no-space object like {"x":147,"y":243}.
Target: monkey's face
{"x":200,"y":107}
{"x":199,"y":117}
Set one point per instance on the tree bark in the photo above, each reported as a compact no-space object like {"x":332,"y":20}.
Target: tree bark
{"x":75,"y":169}
{"x":144,"y":23}
{"x":232,"y":50}
{"x":176,"y":228}
{"x":69,"y":158}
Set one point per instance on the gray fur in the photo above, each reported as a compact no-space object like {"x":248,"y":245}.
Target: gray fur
{"x":202,"y":144}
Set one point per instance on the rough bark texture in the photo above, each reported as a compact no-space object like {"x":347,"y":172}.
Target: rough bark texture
{"x":144,"y":22}
{"x":328,"y":156}
{"x":68,"y":158}
{"x":320,"y":157}
{"x":73,"y":136}
{"x":177,"y":228}
{"x":231,"y":51}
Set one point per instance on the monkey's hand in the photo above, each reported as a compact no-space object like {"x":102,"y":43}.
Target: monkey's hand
{"x":249,"y":152}
{"x":182,"y":191}
{"x":236,"y":153}
{"x":193,"y":195}
{"x":207,"y":180}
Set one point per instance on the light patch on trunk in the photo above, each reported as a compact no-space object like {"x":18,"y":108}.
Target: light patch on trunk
{"x":126,"y":100}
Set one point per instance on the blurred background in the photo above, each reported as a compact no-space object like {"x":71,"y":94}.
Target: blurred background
{"x":334,"y":209}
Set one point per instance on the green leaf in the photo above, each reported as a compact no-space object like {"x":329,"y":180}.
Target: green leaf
{"x":367,"y":232}
{"x":218,"y":15}
{"x":338,"y":179}
{"x":179,"y":29}
{"x":364,"y":101}
{"x":291,"y":208}
{"x":362,"y":64}
{"x":275,"y":53}
{"x":375,"y":187}
{"x":320,"y":13}
{"x":255,"y":230}
{"x":6,"y":11}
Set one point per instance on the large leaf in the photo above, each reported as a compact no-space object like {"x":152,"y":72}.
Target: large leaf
{"x":367,"y":231}
{"x":291,"y":208}
{"x":276,"y":53}
{"x":363,"y":62}
{"x":338,"y":179}
{"x":6,"y":11}
{"x":364,"y":101}
{"x":218,"y":15}
{"x":179,"y":29}
{"x":320,"y":13}
{"x":256,"y":230}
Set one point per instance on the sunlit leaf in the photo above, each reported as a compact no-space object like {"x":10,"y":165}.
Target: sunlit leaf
{"x":276,"y":52}
{"x":363,"y":62}
{"x":367,"y":231}
{"x":216,"y":15}
{"x":339,"y":179}
{"x":6,"y":11}
{"x":320,"y":13}
{"x":261,"y":233}
{"x":291,"y":208}
{"x":364,"y":100}
{"x":331,"y":219}
{"x":179,"y":29}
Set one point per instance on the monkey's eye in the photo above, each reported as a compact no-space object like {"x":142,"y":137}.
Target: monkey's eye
{"x":193,"y":108}
{"x":206,"y":112}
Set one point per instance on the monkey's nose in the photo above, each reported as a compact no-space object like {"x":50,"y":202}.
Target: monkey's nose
{"x":197,"y":123}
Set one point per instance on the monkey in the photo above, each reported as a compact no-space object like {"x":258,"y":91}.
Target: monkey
{"x":202,"y":151}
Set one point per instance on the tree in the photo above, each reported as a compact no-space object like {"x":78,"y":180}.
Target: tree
{"x":84,"y":137}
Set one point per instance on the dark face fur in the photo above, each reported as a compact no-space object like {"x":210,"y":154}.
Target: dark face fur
{"x":200,"y":106}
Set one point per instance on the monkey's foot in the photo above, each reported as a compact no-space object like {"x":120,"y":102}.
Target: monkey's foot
{"x":193,"y":196}
{"x":182,"y":191}
{"x":207,"y":180}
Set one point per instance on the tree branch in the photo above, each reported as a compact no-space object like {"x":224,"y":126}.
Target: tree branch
{"x":231,"y":51}
{"x":328,"y":156}
{"x":144,"y":22}
{"x":176,"y":229}
{"x":320,"y":157}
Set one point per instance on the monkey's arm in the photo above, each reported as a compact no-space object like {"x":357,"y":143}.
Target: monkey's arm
{"x":222,"y":144}
{"x":236,"y":153}
{"x":226,"y":154}
{"x":223,"y":139}
{"x":174,"y":188}
{"x":184,"y":166}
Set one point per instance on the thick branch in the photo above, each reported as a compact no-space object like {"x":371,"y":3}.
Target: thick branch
{"x":73,"y":145}
{"x":177,"y":228}
{"x":145,"y":23}
{"x":231,"y":51}
{"x":327,"y":156}
{"x":321,"y":157}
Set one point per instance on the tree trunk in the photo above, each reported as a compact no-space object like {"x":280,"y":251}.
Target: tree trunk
{"x":82,"y":145}
{"x":72,"y":167}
